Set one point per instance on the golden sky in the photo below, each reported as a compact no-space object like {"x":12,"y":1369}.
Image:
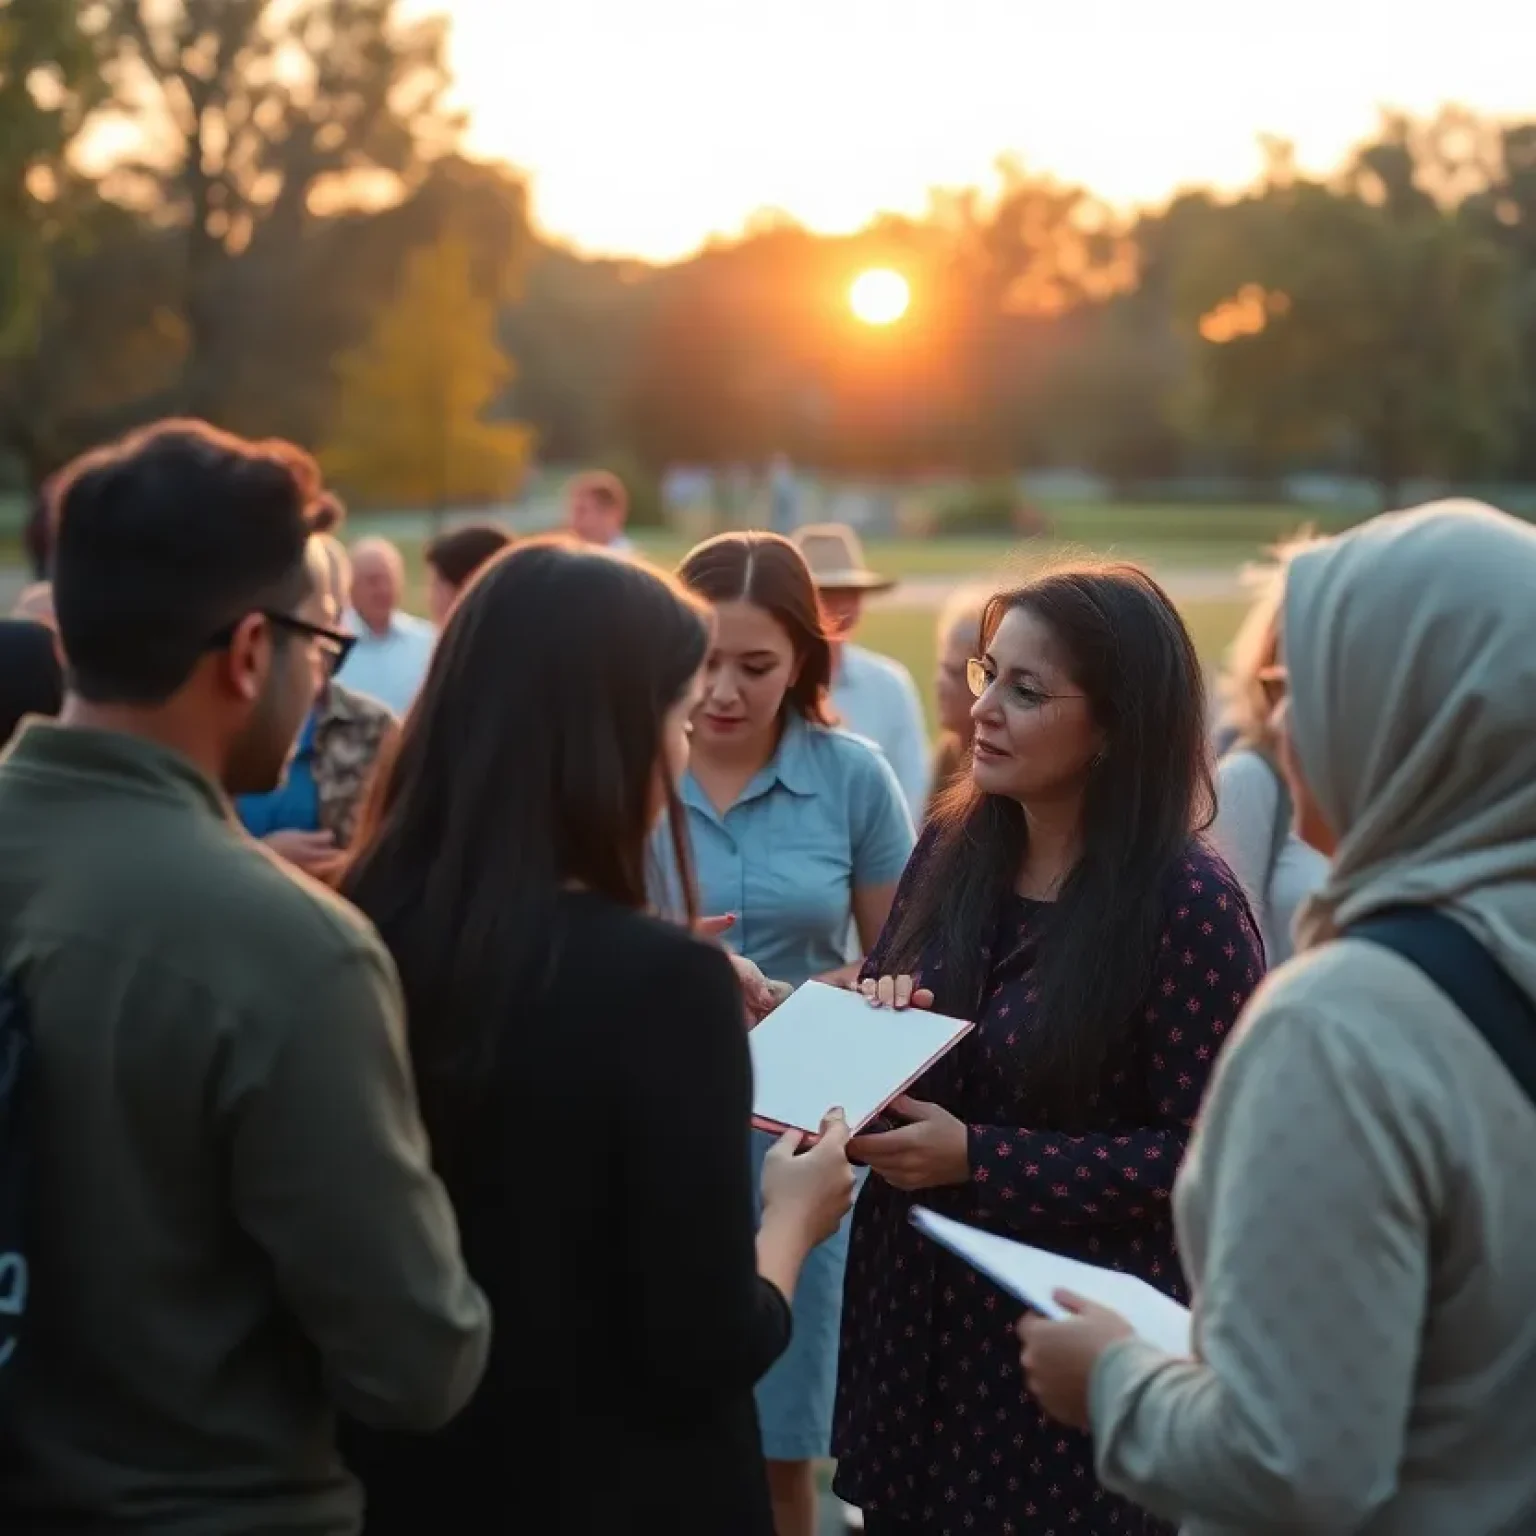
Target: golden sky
{"x":647,"y":125}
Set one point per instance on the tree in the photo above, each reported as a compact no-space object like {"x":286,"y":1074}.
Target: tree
{"x":269,"y":111}
{"x":410,"y":428}
{"x":48,"y":83}
{"x":1359,"y":319}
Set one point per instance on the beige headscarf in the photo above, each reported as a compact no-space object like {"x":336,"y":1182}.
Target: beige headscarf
{"x":1411,"y":648}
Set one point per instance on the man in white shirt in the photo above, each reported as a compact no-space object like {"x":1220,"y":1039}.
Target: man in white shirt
{"x":393,"y":647}
{"x":875,"y":696}
{"x":596,"y":510}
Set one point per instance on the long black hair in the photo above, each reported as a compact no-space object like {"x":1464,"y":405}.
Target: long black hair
{"x":31,"y":675}
{"x":531,"y":761}
{"x":1125,"y":646}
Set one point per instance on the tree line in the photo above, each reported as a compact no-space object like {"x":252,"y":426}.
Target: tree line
{"x":260,"y":212}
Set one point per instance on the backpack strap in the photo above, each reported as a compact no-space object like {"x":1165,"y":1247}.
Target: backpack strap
{"x":1482,"y":990}
{"x":1280,"y":832}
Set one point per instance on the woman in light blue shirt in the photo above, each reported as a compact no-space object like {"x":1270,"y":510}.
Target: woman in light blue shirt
{"x":795,"y":827}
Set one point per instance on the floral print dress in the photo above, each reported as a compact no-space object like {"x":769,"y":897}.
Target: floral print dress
{"x":933,"y":1426}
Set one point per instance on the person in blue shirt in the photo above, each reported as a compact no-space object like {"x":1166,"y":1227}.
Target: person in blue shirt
{"x":874,"y":695}
{"x":309,"y":818}
{"x":394,"y":648}
{"x":795,"y":827}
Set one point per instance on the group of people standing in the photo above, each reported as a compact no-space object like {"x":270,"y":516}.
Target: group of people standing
{"x":421,"y":1195}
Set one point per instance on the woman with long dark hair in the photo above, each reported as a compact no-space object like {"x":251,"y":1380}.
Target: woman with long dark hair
{"x":801,"y":832}
{"x":1064,"y":900}
{"x":583,"y":1071}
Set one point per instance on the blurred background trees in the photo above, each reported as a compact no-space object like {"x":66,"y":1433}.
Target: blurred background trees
{"x":260,"y":212}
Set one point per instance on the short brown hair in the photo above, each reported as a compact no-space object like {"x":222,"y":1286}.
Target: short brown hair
{"x":459,"y":553}
{"x":767,"y":570}
{"x":601,"y":486}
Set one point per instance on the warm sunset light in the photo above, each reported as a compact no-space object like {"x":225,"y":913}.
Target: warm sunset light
{"x":879,"y":297}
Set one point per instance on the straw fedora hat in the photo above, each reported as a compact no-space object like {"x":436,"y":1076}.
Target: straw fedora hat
{"x":836,"y":559}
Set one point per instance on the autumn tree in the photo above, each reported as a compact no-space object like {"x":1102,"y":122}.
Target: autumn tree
{"x":412,"y":425}
{"x":254,"y":116}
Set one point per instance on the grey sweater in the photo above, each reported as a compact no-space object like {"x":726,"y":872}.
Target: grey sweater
{"x":1358,"y":1218}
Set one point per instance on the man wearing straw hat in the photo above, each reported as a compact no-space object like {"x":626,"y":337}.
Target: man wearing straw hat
{"x":874,"y":695}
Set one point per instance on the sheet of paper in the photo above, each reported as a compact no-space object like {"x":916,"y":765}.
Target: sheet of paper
{"x":1033,"y":1274}
{"x":826,"y":1047}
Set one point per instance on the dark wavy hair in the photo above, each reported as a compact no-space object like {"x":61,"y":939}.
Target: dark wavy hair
{"x":1125,"y":646}
{"x":768,"y":571}
{"x":531,"y":761}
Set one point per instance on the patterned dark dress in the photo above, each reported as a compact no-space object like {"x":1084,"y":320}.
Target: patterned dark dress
{"x":933,"y":1426}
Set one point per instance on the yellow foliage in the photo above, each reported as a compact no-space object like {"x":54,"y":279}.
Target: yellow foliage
{"x":409,"y":428}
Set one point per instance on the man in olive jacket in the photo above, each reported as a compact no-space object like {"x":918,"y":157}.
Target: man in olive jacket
{"x":235,"y":1230}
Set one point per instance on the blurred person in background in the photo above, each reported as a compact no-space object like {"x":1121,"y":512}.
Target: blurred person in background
{"x":31,"y":676}
{"x":1355,"y":1215}
{"x":873,"y":695}
{"x":597,"y":509}
{"x":595,"y":1146}
{"x":453,"y":557}
{"x":1255,"y":825}
{"x":798,"y":830}
{"x":958,"y":640}
{"x":310,"y":817}
{"x":393,"y":646}
{"x":234,"y":1227}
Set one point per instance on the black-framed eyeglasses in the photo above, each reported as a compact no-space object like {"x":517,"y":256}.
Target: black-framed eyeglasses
{"x":332,"y":645}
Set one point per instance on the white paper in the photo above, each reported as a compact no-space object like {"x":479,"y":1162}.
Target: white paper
{"x":825,"y":1047}
{"x":1033,"y":1274}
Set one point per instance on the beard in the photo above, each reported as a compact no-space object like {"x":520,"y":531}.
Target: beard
{"x":259,"y":756}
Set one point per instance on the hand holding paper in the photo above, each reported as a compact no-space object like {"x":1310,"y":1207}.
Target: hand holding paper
{"x":1037,"y":1277}
{"x":1059,"y":1354}
{"x":828,"y":1046}
{"x":933,"y":1149}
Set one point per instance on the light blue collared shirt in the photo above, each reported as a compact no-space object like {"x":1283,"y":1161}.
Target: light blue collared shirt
{"x":822,"y":817}
{"x":876,"y":697}
{"x":389,"y":667}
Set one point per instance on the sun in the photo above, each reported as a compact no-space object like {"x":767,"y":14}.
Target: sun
{"x":879,"y":296}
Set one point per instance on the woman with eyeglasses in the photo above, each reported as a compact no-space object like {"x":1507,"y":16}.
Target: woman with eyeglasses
{"x":1064,"y":900}
{"x":309,"y":818}
{"x":1255,"y":821}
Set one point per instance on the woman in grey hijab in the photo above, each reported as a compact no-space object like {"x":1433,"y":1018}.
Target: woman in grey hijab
{"x":1356,"y":1211}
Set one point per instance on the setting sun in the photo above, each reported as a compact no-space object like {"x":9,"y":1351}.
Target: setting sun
{"x":879,"y":297}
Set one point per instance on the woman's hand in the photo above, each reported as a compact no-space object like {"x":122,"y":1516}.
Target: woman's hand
{"x":931,"y":1151}
{"x":812,"y":1190}
{"x":895,"y":992}
{"x":761,"y":995}
{"x":845,"y":976}
{"x":1059,"y":1355}
{"x":308,"y":850}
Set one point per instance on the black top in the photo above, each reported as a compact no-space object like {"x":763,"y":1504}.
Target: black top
{"x":608,"y":1216}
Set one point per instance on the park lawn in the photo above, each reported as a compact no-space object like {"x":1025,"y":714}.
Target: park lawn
{"x":1176,"y":537}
